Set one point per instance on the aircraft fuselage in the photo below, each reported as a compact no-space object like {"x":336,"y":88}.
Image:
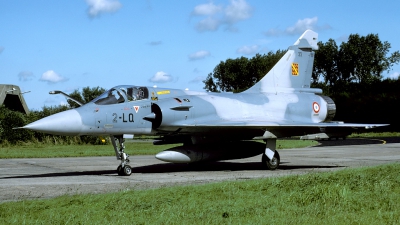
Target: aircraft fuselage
{"x":183,"y":111}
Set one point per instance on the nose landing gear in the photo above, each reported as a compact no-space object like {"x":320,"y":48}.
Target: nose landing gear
{"x":124,"y":169}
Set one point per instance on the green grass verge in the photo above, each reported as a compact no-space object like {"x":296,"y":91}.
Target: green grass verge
{"x":374,"y":135}
{"x":351,"y":196}
{"x":132,"y":148}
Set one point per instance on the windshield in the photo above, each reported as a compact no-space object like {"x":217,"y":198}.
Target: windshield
{"x":121,"y":94}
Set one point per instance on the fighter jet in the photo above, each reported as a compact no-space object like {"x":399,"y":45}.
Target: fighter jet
{"x":211,"y":126}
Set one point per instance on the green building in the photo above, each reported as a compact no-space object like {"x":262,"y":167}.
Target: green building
{"x":12,"y":98}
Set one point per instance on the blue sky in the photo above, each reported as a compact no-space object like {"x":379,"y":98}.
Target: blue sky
{"x":65,"y":45}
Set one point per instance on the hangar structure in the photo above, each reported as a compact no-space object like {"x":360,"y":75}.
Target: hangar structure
{"x":11,"y":97}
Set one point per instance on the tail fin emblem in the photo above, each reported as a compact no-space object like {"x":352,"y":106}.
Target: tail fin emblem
{"x":295,"y":69}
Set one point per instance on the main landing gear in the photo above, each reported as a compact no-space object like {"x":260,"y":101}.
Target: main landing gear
{"x":123,"y":169}
{"x":273,"y":163}
{"x":270,"y":159}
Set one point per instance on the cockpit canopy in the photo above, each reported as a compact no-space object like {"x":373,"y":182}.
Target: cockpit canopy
{"x":121,"y":94}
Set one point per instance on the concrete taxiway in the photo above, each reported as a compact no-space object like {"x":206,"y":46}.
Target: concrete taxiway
{"x":46,"y":178}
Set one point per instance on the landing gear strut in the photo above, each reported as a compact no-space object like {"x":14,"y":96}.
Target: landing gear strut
{"x":123,"y":169}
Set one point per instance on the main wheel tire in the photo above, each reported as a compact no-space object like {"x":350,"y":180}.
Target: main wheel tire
{"x":127,"y":170}
{"x":273,"y":163}
{"x":119,"y":170}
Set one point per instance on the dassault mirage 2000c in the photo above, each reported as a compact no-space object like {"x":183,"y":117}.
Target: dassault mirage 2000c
{"x":211,"y":126}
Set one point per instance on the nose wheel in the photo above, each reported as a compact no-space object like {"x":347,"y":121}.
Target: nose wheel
{"x":124,"y":169}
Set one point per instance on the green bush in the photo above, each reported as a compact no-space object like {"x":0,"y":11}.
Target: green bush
{"x":11,"y":119}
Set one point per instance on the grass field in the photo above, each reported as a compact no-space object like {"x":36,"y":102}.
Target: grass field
{"x":374,"y":135}
{"x":350,"y":196}
{"x":132,"y":148}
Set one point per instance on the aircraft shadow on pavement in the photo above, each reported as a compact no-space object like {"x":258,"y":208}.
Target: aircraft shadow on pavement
{"x":66,"y":174}
{"x":358,"y":141}
{"x":217,"y":166}
{"x":176,"y":168}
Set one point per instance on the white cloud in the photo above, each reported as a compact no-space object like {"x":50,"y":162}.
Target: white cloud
{"x":161,"y":77}
{"x":1,"y":49}
{"x":52,"y":77}
{"x":199,"y":55}
{"x":299,"y":27}
{"x":206,"y":9}
{"x":238,"y":10}
{"x":216,"y":16}
{"x":25,"y":76}
{"x":248,"y":50}
{"x":394,"y":75}
{"x":97,"y":7}
{"x":302,"y":25}
{"x":208,"y":24}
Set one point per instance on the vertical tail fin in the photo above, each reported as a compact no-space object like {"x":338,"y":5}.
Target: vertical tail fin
{"x":293,"y":71}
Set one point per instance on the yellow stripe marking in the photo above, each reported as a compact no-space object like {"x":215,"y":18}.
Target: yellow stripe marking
{"x":163,"y":92}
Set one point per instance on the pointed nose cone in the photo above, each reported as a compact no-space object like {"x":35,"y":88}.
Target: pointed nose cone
{"x":64,"y":123}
